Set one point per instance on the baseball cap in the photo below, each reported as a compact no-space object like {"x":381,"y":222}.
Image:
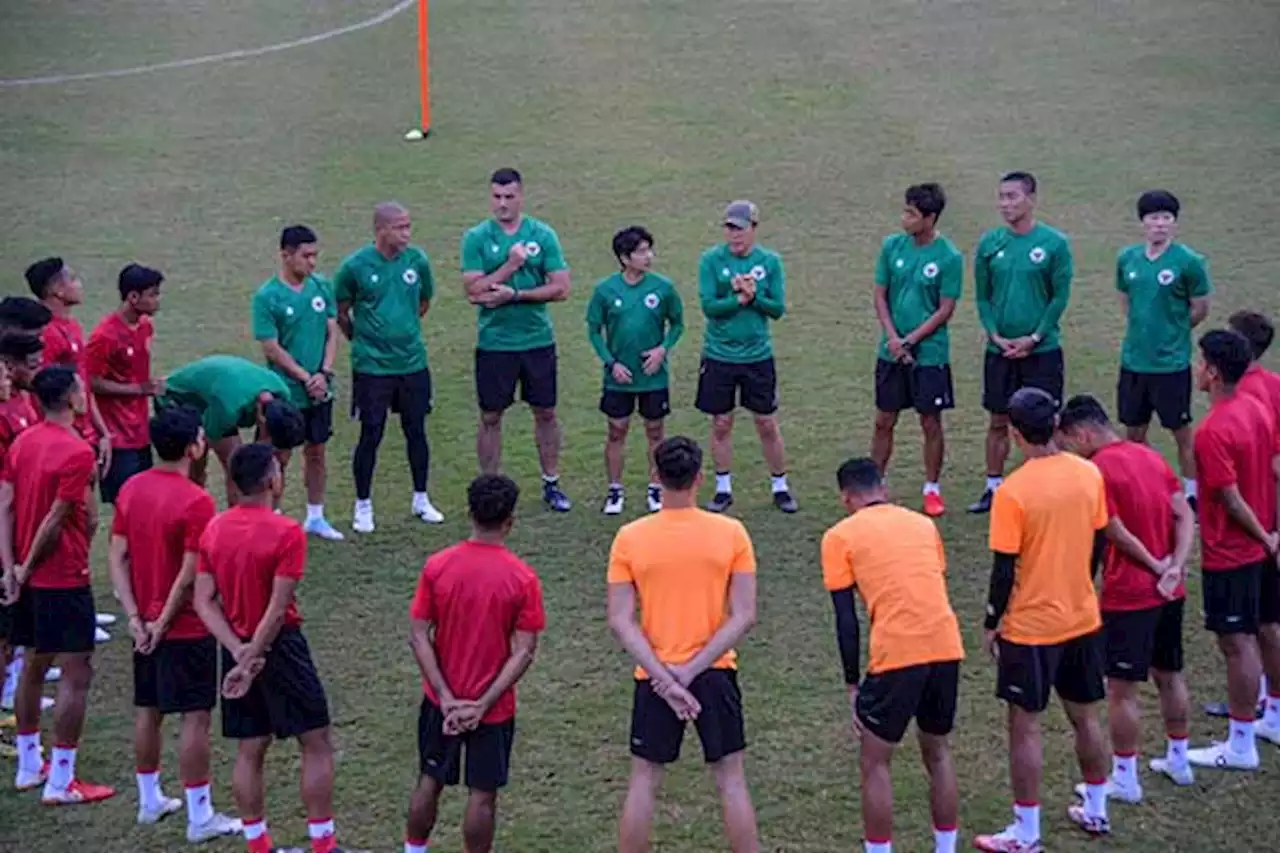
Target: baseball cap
{"x":741,"y":214}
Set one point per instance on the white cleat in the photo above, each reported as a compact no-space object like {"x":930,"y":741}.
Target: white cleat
{"x":322,"y":528}
{"x":655,"y":498}
{"x":52,"y":674}
{"x":100,"y":636}
{"x":166,"y":807}
{"x":1270,"y":734}
{"x":104,"y":620}
{"x":614,"y":501}
{"x":215,"y":827}
{"x":1221,"y":756}
{"x":423,"y":509}
{"x":362,"y":521}
{"x":47,"y":702}
{"x":1131,"y":794}
{"x":1183,"y":775}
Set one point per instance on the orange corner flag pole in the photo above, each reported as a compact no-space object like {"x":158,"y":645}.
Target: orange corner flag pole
{"x":424,"y":67}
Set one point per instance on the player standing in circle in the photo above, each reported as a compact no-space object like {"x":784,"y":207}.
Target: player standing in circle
{"x":474,"y":627}
{"x":295,"y":320}
{"x":634,"y":320}
{"x":383,"y":292}
{"x":742,"y":288}
{"x":919,"y":277}
{"x":1165,"y":291}
{"x":512,"y":266}
{"x":1021,"y":281}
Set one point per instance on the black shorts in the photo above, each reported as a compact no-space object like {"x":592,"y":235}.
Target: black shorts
{"x":1026,"y":674}
{"x":373,"y":395}
{"x":178,"y":677}
{"x":925,"y":388}
{"x":55,"y":621}
{"x":889,"y":701}
{"x":488,"y":749}
{"x":653,"y":405}
{"x":1141,"y":640}
{"x":1237,"y":601}
{"x":1002,"y":377}
{"x":6,"y":622}
{"x":723,"y":386}
{"x":317,"y":420}
{"x":285,"y":700}
{"x":498,"y":373}
{"x":1167,"y":395}
{"x":124,"y":464}
{"x":656,"y":731}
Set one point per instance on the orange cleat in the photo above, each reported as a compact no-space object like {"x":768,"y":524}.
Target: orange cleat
{"x":933,"y":505}
{"x":77,"y":793}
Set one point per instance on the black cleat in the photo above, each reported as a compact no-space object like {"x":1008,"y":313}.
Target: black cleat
{"x":784,"y":502}
{"x":983,"y":504}
{"x":721,"y":502}
{"x":555,"y":498}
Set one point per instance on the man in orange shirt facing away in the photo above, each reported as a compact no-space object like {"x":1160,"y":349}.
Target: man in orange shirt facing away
{"x":894,"y":558}
{"x":1043,"y":622}
{"x":474,"y":626}
{"x":693,"y":574}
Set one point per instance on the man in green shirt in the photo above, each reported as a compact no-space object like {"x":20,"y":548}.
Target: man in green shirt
{"x":512,"y":266}
{"x":383,"y":292}
{"x":1165,"y":290}
{"x":742,"y":287}
{"x":634,"y":319}
{"x":295,"y":320}
{"x":918,"y":279}
{"x":231,"y":394}
{"x":1021,"y":282}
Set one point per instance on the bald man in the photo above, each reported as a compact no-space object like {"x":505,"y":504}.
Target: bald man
{"x":383,"y":290}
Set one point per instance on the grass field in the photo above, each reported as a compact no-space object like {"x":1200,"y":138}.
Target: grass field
{"x":658,"y":112}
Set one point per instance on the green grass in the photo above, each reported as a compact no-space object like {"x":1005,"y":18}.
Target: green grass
{"x":659,"y":112}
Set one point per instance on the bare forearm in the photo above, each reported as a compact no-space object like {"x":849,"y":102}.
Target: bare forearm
{"x":729,"y":635}
{"x":883,"y":314}
{"x":476,"y":287}
{"x":1242,"y":514}
{"x":210,"y":613}
{"x":121,"y":582}
{"x":330,"y":350}
{"x":429,"y":665}
{"x":267,"y":631}
{"x":6,"y":527}
{"x":280,"y":357}
{"x":554,"y":292}
{"x":47,"y":534}
{"x":936,"y":321}
{"x":109,"y":388}
{"x":1128,"y":544}
{"x":95,"y":417}
{"x":512,"y":671}
{"x":179,"y":595}
{"x":633,"y":640}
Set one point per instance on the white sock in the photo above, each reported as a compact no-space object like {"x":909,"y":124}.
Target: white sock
{"x":615,"y":485}
{"x":315,"y":512}
{"x":199,"y":804}
{"x":1095,"y":798}
{"x":1026,"y":823}
{"x":993,"y":483}
{"x":1176,"y":753}
{"x":1262,"y":689}
{"x":656,"y":486}
{"x":932,"y":488}
{"x":723,"y":484}
{"x":410,"y":847}
{"x":1271,"y":718}
{"x":1124,"y":768}
{"x":63,"y":771}
{"x":363,"y":506}
{"x":779,"y":482}
{"x":320,"y":828}
{"x":878,"y":846}
{"x":549,"y":479}
{"x":420,"y":499}
{"x":1242,"y":741}
{"x":1189,"y":486}
{"x":944,"y":840}
{"x":30,"y":755}
{"x":149,"y":790}
{"x":253,"y":830}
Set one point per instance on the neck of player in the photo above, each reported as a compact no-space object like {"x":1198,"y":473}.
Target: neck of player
{"x":385,"y":250}
{"x":262,"y":500}
{"x":488,"y":537}
{"x":1156,"y":249}
{"x":129,"y":314}
{"x":679,"y":498}
{"x":288,"y":277}
{"x":1039,"y":451}
{"x":64,"y":418}
{"x":182,"y":466}
{"x":57,"y":307}
{"x":924,"y":238}
{"x":632,"y":276}
{"x":1023,"y":226}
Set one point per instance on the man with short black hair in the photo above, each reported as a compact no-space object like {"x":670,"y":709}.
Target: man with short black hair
{"x":512,"y":267}
{"x":384,"y":290}
{"x":23,"y":314}
{"x":295,"y":320}
{"x":474,"y":626}
{"x":919,"y":278}
{"x":119,"y":365}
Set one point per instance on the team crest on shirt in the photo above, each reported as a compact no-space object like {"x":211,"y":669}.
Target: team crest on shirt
{"x":317,"y":304}
{"x":757,"y":272}
{"x":1036,"y":255}
{"x":494,"y":248}
{"x":725,"y":272}
{"x":373,"y":279}
{"x":532,"y":249}
{"x":410,"y":277}
{"x":617,"y":303}
{"x":1000,"y":254}
{"x":651,"y":301}
{"x":288,"y":310}
{"x":128,"y":351}
{"x":1132,"y":275}
{"x":898,"y":263}
{"x":1165,"y":277}
{"x":22,"y":422}
{"x":930,"y":270}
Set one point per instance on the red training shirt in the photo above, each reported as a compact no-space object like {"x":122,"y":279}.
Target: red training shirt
{"x":64,"y":344}
{"x":1234,"y":445}
{"x":162,"y":514}
{"x":49,"y":462}
{"x":1264,"y":385}
{"x":477,"y":595}
{"x":121,"y":353}
{"x":245,"y":549}
{"x":1140,"y":486}
{"x":16,"y":414}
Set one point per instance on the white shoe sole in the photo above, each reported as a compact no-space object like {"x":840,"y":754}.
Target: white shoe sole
{"x":1113,"y":793}
{"x":149,"y":818}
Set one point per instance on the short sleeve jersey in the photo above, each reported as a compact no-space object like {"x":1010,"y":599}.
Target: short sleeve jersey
{"x":1046,"y":514}
{"x":385,"y":296}
{"x":477,"y":595}
{"x":680,"y":562}
{"x":1158,"y":333}
{"x":245,"y":549}
{"x":63,"y":340}
{"x":299,"y":320}
{"x":916,"y":279}
{"x":119,"y":352}
{"x":635,"y":318}
{"x":734,"y":333}
{"x":16,"y":415}
{"x":1016,"y":276}
{"x":895,"y":559}
{"x":1264,"y":385}
{"x":515,"y":326}
{"x":225,"y":389}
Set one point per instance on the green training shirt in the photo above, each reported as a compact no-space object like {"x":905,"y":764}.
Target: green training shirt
{"x":916,"y":280}
{"x":516,"y":326}
{"x":1158,"y":336}
{"x":736,"y":333}
{"x":385,"y":295}
{"x":299,"y":321}
{"x":1022,"y":283}
{"x":626,"y":320}
{"x":225,"y":389}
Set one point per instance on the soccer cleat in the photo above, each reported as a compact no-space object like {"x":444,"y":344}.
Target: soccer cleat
{"x":1006,"y":841}
{"x":75,"y":794}
{"x":1221,"y":756}
{"x":554,"y":497}
{"x":613,"y":501}
{"x":53,"y":674}
{"x":100,"y":636}
{"x":784,"y":502}
{"x":104,"y":620}
{"x":1183,"y":775}
{"x":423,"y":509}
{"x":322,"y":528}
{"x":983,"y":504}
{"x":24,"y":781}
{"x":362,"y":520}
{"x":47,"y":702}
{"x":1091,"y":824}
{"x":1220,"y":709}
{"x":215,"y":827}
{"x":1268,"y":733}
{"x":934,"y":505}
{"x":655,"y":498}
{"x":1131,"y":794}
{"x":166,"y":807}
{"x":720,"y":502}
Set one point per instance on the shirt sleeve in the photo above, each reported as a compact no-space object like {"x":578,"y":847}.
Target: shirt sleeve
{"x":744,"y":553}
{"x":1122,"y":283}
{"x":1005,"y":534}
{"x":552,"y":254}
{"x":473,"y":253}
{"x":262,"y":321}
{"x":952,"y":274}
{"x":620,"y":560}
{"x":427,"y":289}
{"x":1214,"y":466}
{"x":1196,"y":278}
{"x":882,"y":265}
{"x":331,"y":304}
{"x":982,"y":288}
{"x":713,"y":305}
{"x":344,"y":284}
{"x":772,"y":302}
{"x":75,"y":477}
{"x":199,"y":514}
{"x":291,"y":560}
{"x":98,"y":354}
{"x":1060,"y":281}
{"x":56,"y":349}
{"x":837,"y":564}
{"x":532,"y":617}
{"x":423,"y":606}
{"x":120,"y":523}
{"x":675,"y":319}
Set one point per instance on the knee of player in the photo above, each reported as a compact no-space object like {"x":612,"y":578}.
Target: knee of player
{"x":722,"y":425}
{"x":77,"y":672}
{"x":654,"y":430}
{"x":491,"y":419}
{"x":767,"y":426}
{"x":886,"y":421}
{"x":931,"y":425}
{"x":544,"y":416}
{"x":618,"y":429}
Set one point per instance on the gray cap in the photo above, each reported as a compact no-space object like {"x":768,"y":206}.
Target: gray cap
{"x":741,"y":214}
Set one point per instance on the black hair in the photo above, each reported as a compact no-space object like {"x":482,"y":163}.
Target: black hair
{"x":858,"y":476}
{"x":173,"y":430}
{"x":929,"y":199}
{"x":296,"y":235}
{"x":42,"y":274}
{"x":135,"y":278}
{"x":1034,"y":414}
{"x":506,"y":175}
{"x":1027,"y":180}
{"x":1227,"y":352}
{"x":23,"y":312}
{"x":678,"y":460}
{"x":491,"y":500}
{"x":285,"y":425}
{"x":250,"y":467}
{"x":53,"y":387}
{"x":1255,"y":328}
{"x":1158,"y":201}
{"x":19,"y":346}
{"x":628,"y":240}
{"x":1083,"y":410}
